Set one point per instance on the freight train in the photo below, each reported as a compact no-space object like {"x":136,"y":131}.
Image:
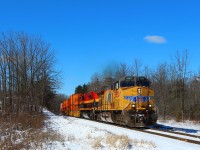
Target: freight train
{"x":129,"y":101}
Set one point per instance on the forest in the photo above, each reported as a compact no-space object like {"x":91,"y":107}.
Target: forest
{"x":27,"y":75}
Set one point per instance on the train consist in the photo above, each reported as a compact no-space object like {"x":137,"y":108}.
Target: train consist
{"x":129,"y":101}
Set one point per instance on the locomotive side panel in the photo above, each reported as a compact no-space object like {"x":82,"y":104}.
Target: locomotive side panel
{"x":67,"y":107}
{"x":74,"y":108}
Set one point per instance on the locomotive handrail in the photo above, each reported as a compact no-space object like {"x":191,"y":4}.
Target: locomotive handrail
{"x":157,"y":110}
{"x":126,"y":107}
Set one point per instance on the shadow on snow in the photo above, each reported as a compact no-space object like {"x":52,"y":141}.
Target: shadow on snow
{"x":170,"y":128}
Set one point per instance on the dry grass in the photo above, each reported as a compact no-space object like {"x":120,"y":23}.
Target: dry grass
{"x":97,"y":143}
{"x":25,"y":132}
{"x":44,"y":140}
{"x":120,"y":142}
{"x":144,"y":144}
{"x":71,"y":138}
{"x":89,"y":136}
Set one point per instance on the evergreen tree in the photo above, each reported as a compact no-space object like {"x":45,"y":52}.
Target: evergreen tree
{"x":81,"y":89}
{"x":78,"y":89}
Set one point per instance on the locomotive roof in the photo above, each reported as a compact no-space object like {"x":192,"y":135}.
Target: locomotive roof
{"x":130,"y":78}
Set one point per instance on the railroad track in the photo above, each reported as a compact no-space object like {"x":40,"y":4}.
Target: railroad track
{"x":195,"y":140}
{"x":186,"y":138}
{"x":164,"y":133}
{"x":179,"y":133}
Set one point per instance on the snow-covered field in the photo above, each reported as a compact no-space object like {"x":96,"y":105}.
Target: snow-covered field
{"x":79,"y":134}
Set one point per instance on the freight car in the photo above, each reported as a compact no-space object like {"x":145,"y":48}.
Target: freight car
{"x":129,"y":101}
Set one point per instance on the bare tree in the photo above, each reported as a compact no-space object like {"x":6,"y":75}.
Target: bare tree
{"x":161,"y":86}
{"x":147,"y":72}
{"x":26,"y":71}
{"x":96,"y":83}
{"x":180,"y":65}
{"x":137,"y":67}
{"x":122,"y":70}
{"x":193,"y":95}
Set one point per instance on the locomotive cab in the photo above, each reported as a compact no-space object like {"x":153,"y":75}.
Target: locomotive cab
{"x":130,"y":81}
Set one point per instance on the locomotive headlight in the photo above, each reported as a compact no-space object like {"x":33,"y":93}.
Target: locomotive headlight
{"x":133,"y":105}
{"x":139,"y":90}
{"x":150,"y":105}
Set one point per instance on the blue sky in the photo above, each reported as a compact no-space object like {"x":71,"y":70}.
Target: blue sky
{"x":88,"y":35}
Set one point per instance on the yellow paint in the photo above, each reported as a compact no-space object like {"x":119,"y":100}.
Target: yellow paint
{"x":114,"y":99}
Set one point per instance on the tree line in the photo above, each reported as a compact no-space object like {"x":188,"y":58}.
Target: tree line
{"x":28,"y":79}
{"x":27,"y":75}
{"x":177,"y":88}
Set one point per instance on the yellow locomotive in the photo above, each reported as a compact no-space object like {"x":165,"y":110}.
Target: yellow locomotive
{"x":129,"y":101}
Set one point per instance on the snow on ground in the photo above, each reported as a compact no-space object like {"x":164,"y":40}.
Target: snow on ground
{"x":187,"y":126}
{"x":82,"y":134}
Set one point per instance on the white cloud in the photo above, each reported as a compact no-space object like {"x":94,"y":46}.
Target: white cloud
{"x":155,"y":39}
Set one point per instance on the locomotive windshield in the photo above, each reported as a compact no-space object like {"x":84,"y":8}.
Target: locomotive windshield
{"x":142,"y":81}
{"x":129,"y":81}
{"x":134,"y":81}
